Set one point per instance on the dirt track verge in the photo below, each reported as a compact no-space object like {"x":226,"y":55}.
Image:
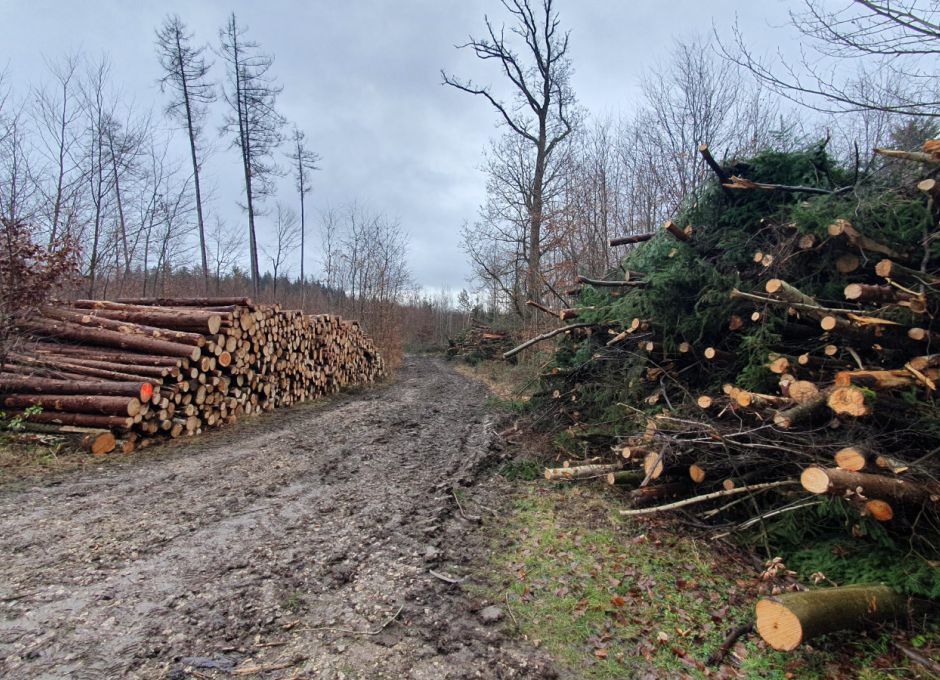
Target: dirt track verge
{"x":300,"y":544}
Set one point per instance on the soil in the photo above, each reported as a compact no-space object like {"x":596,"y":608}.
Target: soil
{"x":298,"y":544}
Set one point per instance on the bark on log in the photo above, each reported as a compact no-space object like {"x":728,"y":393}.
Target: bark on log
{"x":187,"y":302}
{"x":675,"y":231}
{"x":628,"y":240}
{"x":109,"y":406}
{"x":603,"y":283}
{"x":840,"y":482}
{"x":77,"y":419}
{"x":786,"y":621}
{"x":859,"y":240}
{"x":94,"y":320}
{"x":94,"y":336}
{"x":10,"y":384}
{"x":890,"y":269}
{"x":580,"y":472}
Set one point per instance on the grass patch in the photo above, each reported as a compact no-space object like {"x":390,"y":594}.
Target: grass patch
{"x":611,"y":598}
{"x":25,"y":455}
{"x":509,"y":383}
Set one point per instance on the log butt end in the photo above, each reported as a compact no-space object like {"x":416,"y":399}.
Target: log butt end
{"x":778,"y":626}
{"x":815,"y":480}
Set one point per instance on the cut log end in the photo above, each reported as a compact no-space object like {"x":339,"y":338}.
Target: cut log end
{"x":778,"y":626}
{"x":815,"y":480}
{"x":848,"y":401}
{"x":879,"y":510}
{"x":850,"y":458}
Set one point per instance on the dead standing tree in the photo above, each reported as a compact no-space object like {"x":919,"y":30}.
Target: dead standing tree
{"x":251,"y":95}
{"x":304,"y":161}
{"x":544,"y":115}
{"x":185,"y":74}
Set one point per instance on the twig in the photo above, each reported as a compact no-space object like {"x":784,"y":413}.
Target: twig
{"x":709,"y":496}
{"x":469,"y":518}
{"x":445,"y":578}
{"x":736,"y":634}
{"x":918,"y":658}
{"x":773,"y":513}
{"x":251,"y":670}
{"x":509,"y":609}
{"x":350,"y":631}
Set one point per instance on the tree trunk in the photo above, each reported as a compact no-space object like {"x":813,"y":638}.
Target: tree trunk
{"x":107,"y":406}
{"x":785,"y":621}
{"x":32,"y":385}
{"x":839,"y":482}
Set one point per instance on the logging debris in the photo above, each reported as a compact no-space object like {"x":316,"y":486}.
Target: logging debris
{"x":775,"y":375}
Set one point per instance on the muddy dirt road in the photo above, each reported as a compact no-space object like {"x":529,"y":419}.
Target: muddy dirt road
{"x":284,"y":545}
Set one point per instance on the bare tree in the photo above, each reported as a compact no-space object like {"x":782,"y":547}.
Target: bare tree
{"x":185,"y":73}
{"x":251,"y":95}
{"x":304,"y":162}
{"x":226,"y":247}
{"x":542,"y":113}
{"x":58,"y":113}
{"x":891,"y":45}
{"x":286,"y":238}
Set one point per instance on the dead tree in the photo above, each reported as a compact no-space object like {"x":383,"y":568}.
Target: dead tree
{"x":304,"y":161}
{"x":251,"y":95}
{"x":185,"y":74}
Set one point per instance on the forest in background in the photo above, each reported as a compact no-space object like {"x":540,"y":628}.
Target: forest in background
{"x":85,"y":173}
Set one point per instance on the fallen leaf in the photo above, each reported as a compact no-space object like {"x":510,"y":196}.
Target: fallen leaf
{"x":600,"y":653}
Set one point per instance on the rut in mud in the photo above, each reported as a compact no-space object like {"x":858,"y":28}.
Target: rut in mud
{"x":243,"y":548}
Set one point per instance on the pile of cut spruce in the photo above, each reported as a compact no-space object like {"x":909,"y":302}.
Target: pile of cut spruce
{"x":479,"y":342}
{"x":131,"y":372}
{"x":785,"y":359}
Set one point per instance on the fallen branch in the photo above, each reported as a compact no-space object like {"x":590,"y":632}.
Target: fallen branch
{"x":736,"y":634}
{"x":629,"y":240}
{"x":601,"y":283}
{"x":709,"y":496}
{"x":736,"y":182}
{"x":918,"y":658}
{"x":544,"y":336}
{"x":252,"y":670}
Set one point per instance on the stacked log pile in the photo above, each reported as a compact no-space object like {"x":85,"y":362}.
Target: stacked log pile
{"x":774,"y":357}
{"x":150,"y":368}
{"x":479,"y":342}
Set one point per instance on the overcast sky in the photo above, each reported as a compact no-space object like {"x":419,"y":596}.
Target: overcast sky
{"x":362,"y":79}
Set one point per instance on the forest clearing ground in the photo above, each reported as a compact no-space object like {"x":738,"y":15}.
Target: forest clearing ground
{"x":609,"y":597}
{"x":297,"y":544}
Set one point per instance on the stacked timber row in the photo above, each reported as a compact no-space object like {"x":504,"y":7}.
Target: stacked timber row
{"x":144,"y":368}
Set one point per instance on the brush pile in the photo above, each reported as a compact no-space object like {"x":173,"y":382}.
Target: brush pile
{"x":146,"y":368}
{"x":771,"y":361}
{"x":479,"y":342}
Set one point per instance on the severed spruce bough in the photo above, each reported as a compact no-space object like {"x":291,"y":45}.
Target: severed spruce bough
{"x":768,"y":363}
{"x":132,"y":372}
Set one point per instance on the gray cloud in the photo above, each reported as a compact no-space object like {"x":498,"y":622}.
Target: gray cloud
{"x":362,"y":79}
